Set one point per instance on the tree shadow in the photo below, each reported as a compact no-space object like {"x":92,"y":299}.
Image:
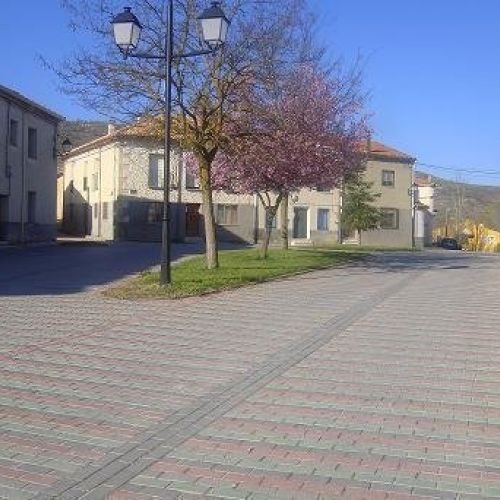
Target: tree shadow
{"x":408,"y":262}
{"x":61,"y":270}
{"x":403,"y":262}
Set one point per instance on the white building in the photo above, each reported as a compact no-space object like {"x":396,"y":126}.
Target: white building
{"x":28,"y":169}
{"x":425,"y":211}
{"x":113,"y":189}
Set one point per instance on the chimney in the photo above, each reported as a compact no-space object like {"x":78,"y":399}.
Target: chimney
{"x":111,"y":129}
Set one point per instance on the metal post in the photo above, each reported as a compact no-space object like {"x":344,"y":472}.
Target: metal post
{"x":165,"y":274}
{"x":413,"y":215}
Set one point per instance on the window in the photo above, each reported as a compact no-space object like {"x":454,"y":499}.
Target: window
{"x":71,"y":186}
{"x":227,"y":215}
{"x":13,"y":132}
{"x":95,"y":182}
{"x":155,"y":212}
{"x":390,"y":218}
{"x":96,"y":210}
{"x":105,"y":210}
{"x":32,"y":143}
{"x":192,"y":182}
{"x":323,"y":219}
{"x":156,"y":171}
{"x":388,"y":178}
{"x":31,"y":207}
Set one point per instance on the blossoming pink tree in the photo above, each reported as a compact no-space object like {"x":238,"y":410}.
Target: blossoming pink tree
{"x":307,"y":135}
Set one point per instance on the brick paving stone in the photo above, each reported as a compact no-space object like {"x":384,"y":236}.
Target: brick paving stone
{"x":363,"y":382}
{"x":399,"y":409}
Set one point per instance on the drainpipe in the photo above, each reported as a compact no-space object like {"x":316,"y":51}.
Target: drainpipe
{"x":116,"y":191}
{"x":8,"y":171}
{"x":413,"y":198}
{"x":23,"y":179}
{"x":99,"y":210}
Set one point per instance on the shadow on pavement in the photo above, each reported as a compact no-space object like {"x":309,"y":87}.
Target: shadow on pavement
{"x":60,"y":269}
{"x":69,"y":269}
{"x":406,"y":262}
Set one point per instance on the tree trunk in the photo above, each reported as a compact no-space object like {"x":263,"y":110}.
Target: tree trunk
{"x":284,"y":222}
{"x":271,"y":211}
{"x":211,"y":251}
{"x":270,"y":214}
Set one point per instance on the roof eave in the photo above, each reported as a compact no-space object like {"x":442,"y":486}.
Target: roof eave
{"x":30,"y":105}
{"x":394,"y":159}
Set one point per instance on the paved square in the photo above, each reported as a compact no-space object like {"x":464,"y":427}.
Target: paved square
{"x":373,"y":381}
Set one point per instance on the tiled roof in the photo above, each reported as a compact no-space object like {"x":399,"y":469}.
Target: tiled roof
{"x":152,"y":127}
{"x":143,"y":127}
{"x":381,"y":151}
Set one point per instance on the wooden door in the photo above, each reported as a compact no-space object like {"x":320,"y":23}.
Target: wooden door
{"x":192,"y":219}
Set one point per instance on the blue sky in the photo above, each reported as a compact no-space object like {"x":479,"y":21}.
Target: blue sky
{"x":431,"y":66}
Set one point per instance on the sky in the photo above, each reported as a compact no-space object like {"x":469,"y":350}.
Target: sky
{"x":431,"y":67}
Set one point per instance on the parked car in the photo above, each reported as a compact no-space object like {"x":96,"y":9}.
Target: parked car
{"x":450,"y":244}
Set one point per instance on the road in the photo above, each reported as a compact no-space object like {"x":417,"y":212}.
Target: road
{"x":377,"y":380}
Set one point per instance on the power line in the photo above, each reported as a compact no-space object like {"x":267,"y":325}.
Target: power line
{"x":493,"y":173}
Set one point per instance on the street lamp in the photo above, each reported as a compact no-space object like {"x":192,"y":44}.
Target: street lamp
{"x":66,"y":146}
{"x":214,"y":25}
{"x":127,"y":33}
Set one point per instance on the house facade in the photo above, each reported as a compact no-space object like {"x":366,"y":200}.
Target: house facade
{"x":28,"y":169}
{"x":425,"y":211}
{"x":391,"y":173}
{"x":113,"y":190}
{"x":314,"y":216}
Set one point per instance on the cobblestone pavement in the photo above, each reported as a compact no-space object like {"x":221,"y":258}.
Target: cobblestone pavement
{"x":380,"y":380}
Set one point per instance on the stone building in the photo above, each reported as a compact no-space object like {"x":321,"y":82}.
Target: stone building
{"x":28,"y":169}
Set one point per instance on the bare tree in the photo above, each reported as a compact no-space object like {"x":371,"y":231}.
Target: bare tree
{"x":267,"y":38}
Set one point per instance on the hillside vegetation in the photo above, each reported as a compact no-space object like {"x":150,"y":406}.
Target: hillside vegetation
{"x":469,"y":201}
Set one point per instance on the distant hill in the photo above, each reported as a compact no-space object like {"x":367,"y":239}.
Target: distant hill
{"x":80,"y":132}
{"x":480,"y":203}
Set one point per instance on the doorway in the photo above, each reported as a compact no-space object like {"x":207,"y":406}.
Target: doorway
{"x":192,"y":220}
{"x":300,"y":222}
{"x":4,"y":216}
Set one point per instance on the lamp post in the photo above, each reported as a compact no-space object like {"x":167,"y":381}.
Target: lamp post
{"x":127,"y":32}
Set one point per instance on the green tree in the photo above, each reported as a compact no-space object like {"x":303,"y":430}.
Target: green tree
{"x":358,"y":212}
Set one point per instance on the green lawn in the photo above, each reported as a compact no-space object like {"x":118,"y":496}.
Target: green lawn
{"x":237,"y":268}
